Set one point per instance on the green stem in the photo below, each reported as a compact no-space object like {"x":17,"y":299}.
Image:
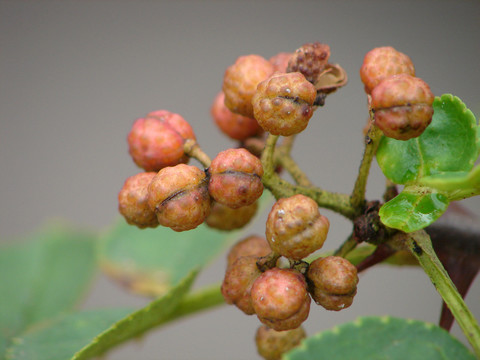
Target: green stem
{"x":346,"y":247}
{"x":280,"y":188}
{"x":200,"y":300}
{"x":420,"y":245}
{"x":371,"y":144}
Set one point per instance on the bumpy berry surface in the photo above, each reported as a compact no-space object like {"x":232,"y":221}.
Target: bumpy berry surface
{"x":283,"y":104}
{"x":310,"y":60}
{"x":235,"y":178}
{"x":280,"y":299}
{"x":238,"y":281}
{"x":225,"y":218}
{"x":233,"y":125}
{"x":132,"y":201}
{"x":156,"y":141}
{"x":271,"y":344}
{"x":381,"y":63}
{"x":250,"y":246}
{"x":179,"y":196}
{"x":333,"y":282}
{"x":295,"y":228}
{"x":280,"y":61}
{"x":240,"y":82}
{"x":402,"y":106}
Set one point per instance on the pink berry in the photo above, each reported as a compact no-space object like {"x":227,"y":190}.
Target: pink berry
{"x":235,"y":178}
{"x":283,"y":104}
{"x":381,"y":63}
{"x":156,"y":141}
{"x":402,"y":106}
{"x":295,"y":228}
{"x":240,"y":82}
{"x":233,"y":125}
{"x":179,"y":197}
{"x":132,"y":201}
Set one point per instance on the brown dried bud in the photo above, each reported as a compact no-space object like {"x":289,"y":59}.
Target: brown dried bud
{"x":310,"y":60}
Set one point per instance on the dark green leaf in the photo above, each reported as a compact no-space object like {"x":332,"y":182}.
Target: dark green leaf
{"x":382,"y":338}
{"x":449,"y":144}
{"x":413,"y":209}
{"x":87,"y":334}
{"x":43,"y":277}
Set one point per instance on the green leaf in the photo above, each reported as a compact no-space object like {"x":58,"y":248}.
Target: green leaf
{"x":449,"y":144}
{"x":84,"y":335}
{"x":43,"y":277}
{"x":456,"y":185}
{"x":151,"y":261}
{"x":381,"y":338}
{"x":413,"y":209}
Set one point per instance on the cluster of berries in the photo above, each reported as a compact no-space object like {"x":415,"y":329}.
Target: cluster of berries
{"x":266,"y":276}
{"x":401,"y":103}
{"x":180,"y":196}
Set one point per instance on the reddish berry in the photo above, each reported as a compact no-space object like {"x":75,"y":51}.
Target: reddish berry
{"x":235,"y":178}
{"x":310,"y":60}
{"x":271,"y":344}
{"x":280,"y":299}
{"x":381,"y":63}
{"x":225,"y":218}
{"x":283,"y":104}
{"x":251,"y":246}
{"x":240,"y":82}
{"x":235,"y":126}
{"x":280,"y":61}
{"x":156,"y":141}
{"x":402,"y":106}
{"x":295,"y":228}
{"x":179,"y":197}
{"x":132,"y":201}
{"x":238,"y":281}
{"x":333,"y":281}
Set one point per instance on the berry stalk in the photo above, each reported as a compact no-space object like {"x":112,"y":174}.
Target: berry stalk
{"x":280,"y":188}
{"x":193,"y":150}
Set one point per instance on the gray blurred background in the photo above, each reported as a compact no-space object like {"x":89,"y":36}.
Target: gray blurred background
{"x":74,"y":75}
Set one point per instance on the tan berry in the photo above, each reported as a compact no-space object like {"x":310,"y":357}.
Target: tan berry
{"x":295,"y":228}
{"x":156,"y":141}
{"x":283,"y":104}
{"x":238,"y":281}
{"x":310,"y":60}
{"x":402,"y":106}
{"x":280,"y":61}
{"x":233,"y":125}
{"x":132,"y":201}
{"x":280,"y":299}
{"x":271,"y":344}
{"x":381,"y":63}
{"x":235,"y":178}
{"x":333,"y":282}
{"x":240,"y":82}
{"x":250,"y":246}
{"x":179,"y":197}
{"x":225,"y":218}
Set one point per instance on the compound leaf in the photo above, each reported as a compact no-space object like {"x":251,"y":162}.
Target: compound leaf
{"x":381,"y":338}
